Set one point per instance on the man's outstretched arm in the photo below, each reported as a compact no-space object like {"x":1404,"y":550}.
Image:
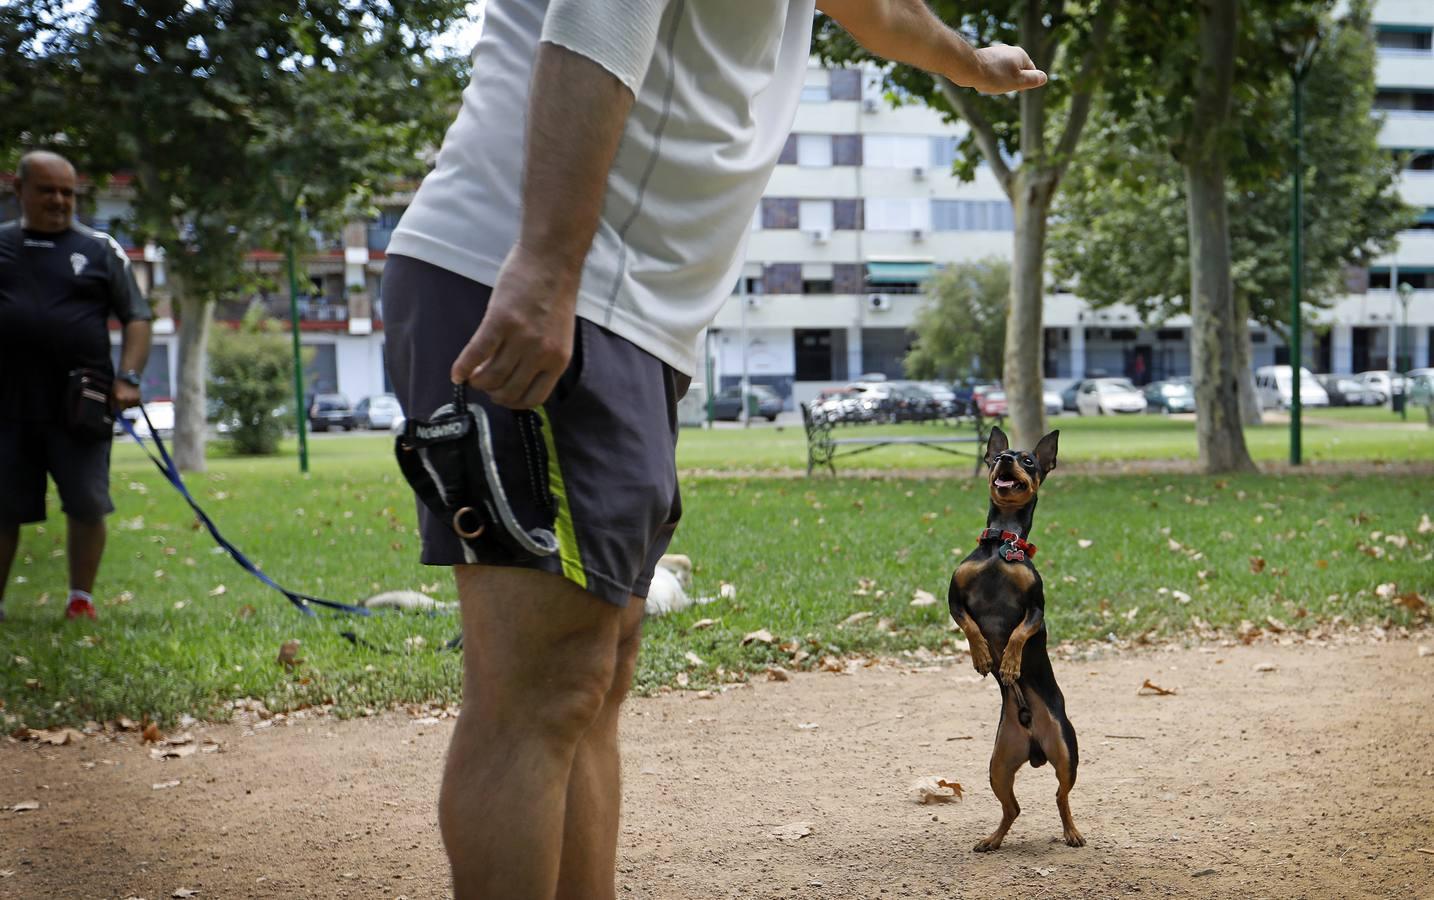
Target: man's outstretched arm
{"x":584,"y":80}
{"x":907,"y":31}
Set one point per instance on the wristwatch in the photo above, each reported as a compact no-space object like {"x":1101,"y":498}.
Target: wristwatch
{"x":130,"y":376}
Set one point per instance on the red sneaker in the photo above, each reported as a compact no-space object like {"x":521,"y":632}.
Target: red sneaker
{"x":78,"y":607}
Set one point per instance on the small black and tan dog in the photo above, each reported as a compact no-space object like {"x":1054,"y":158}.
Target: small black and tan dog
{"x":997,"y":598}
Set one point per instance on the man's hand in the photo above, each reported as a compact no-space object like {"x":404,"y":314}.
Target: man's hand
{"x":1002,"y":68}
{"x":124,"y":395}
{"x":524,"y":343}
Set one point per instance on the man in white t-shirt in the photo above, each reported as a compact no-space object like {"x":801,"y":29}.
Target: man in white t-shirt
{"x":584,"y":222}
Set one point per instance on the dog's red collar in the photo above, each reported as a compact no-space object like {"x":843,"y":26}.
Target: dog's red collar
{"x":1013,"y":547}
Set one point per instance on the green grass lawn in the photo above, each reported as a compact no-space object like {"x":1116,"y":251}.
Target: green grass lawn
{"x":170,"y":641}
{"x":1083,"y":439}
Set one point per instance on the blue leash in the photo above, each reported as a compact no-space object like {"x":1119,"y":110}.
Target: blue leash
{"x":170,"y":471}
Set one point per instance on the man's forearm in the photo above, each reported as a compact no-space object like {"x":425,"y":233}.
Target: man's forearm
{"x":576,"y":116}
{"x":907,"y":31}
{"x":134,"y":346}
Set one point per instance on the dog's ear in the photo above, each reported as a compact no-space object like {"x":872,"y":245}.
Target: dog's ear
{"x":997,"y":445}
{"x":1046,"y":453}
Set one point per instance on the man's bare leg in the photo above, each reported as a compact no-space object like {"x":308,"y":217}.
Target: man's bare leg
{"x":85,"y":546}
{"x":594,"y":804}
{"x":539,"y":656}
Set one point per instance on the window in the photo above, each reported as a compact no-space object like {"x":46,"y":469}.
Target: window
{"x":816,"y":93}
{"x":817,"y":286}
{"x":943,"y":152}
{"x":897,"y":214}
{"x":1422,"y":161}
{"x":814,"y":150}
{"x":972,"y":215}
{"x":896,"y":151}
{"x":1404,"y":37}
{"x":815,"y":215}
{"x":1404,"y":100}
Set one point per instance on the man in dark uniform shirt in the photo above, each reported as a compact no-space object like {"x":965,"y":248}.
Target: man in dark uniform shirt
{"x":60,"y":283}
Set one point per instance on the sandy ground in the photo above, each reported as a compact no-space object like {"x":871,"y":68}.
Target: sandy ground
{"x":1315,"y":779}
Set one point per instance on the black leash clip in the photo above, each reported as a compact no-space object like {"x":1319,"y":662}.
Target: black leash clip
{"x":448,"y":461}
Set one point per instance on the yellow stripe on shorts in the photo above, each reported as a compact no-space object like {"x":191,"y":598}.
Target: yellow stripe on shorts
{"x":567,"y":536}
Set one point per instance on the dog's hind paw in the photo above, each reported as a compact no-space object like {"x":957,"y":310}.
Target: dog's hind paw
{"x":1074,"y":838}
{"x":987,"y":845}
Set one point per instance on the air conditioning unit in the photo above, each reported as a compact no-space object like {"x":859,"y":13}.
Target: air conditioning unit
{"x":918,"y":234}
{"x":820,"y":235}
{"x":878,"y":303}
{"x":918,"y":173}
{"x":869,"y":105}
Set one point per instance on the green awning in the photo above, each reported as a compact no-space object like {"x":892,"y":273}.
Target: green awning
{"x":898,"y":272}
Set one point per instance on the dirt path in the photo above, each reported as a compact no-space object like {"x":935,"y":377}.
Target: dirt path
{"x":1312,"y":780}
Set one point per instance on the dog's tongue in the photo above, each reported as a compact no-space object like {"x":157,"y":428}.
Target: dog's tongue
{"x":1005,"y":482}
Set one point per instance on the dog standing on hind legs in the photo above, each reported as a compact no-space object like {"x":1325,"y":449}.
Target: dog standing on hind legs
{"x":997,"y":598}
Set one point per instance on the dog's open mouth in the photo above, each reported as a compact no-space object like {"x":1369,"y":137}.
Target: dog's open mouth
{"x":1004,"y":484}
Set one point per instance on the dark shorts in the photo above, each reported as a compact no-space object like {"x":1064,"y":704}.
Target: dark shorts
{"x":81,"y":469}
{"x":611,"y":425}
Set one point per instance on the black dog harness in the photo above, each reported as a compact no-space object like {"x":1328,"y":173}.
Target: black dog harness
{"x":1013,"y":547}
{"x":448,"y":460}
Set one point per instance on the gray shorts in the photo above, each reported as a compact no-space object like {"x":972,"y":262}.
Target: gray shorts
{"x":612,"y":421}
{"x":81,"y":469}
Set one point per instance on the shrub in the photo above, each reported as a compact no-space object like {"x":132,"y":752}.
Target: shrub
{"x":251,"y":371}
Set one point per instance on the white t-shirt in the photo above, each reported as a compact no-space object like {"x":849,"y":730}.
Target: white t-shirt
{"x":716,"y":84}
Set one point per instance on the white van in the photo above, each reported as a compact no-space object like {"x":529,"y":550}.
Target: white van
{"x":1273,"y":389}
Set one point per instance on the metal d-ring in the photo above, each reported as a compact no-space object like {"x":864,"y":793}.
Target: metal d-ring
{"x":458,"y":526}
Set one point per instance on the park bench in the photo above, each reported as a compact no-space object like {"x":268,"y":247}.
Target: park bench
{"x":823,"y":448}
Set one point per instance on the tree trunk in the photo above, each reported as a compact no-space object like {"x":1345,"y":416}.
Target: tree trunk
{"x":1244,"y":354}
{"x":1025,"y":339}
{"x":189,"y":410}
{"x":1214,"y":337}
{"x":1213,"y":333}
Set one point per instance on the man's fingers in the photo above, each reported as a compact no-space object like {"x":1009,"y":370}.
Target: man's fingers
{"x":497,"y":372}
{"x":484,"y":344}
{"x":1032,"y":78}
{"x":539,"y":391}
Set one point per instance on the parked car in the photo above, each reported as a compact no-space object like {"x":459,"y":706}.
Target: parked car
{"x":160,"y":412}
{"x":991,"y":401}
{"x":944,"y":396}
{"x":1274,"y":388}
{"x":1346,"y":390}
{"x":1382,"y":380}
{"x":1069,"y":394}
{"x":377,"y":411}
{"x":910,"y":403}
{"x":1108,"y":396}
{"x":762,"y":400}
{"x":330,"y":411}
{"x":1174,"y":395}
{"x":1421,"y":392}
{"x":1053,"y":402}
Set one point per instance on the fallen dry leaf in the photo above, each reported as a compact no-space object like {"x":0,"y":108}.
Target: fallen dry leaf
{"x":703,"y":623}
{"x":1276,"y":625}
{"x":727,"y":591}
{"x":854,"y":618}
{"x":165,"y":785}
{"x":1180,"y":596}
{"x":1257,"y":564}
{"x":1425,"y":526}
{"x":1085,"y":544}
{"x":1265,"y":667}
{"x":152,"y":734}
{"x":934,"y":789}
{"x":761,"y":635}
{"x":218,"y":591}
{"x":693,"y":658}
{"x":26,"y":806}
{"x":1412,"y":601}
{"x":289,"y":654}
{"x":832,"y":664}
{"x":184,"y":892}
{"x":1150,"y":688}
{"x":923,"y":598}
{"x":179,"y":751}
{"x":1425,"y":651}
{"x":777,"y":673}
{"x":1386,"y":591}
{"x":794,"y":831}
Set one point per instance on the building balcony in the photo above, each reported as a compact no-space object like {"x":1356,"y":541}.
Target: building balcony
{"x":1416,"y":186}
{"x":1407,"y":128}
{"x":1405,"y":68}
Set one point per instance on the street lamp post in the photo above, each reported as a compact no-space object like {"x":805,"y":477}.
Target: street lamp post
{"x":1406,"y":293}
{"x":1303,"y":59}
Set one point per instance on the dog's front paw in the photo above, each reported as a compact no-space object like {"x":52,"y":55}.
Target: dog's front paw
{"x":1010,"y":667}
{"x":981,"y":659}
{"x":988,"y":844}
